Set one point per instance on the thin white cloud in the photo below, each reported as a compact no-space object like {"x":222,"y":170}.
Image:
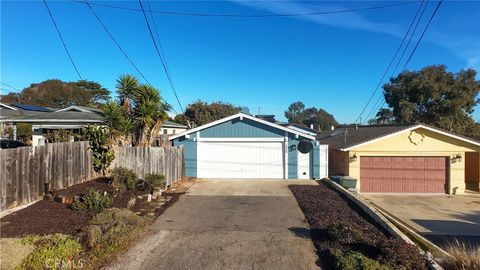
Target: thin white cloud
{"x":465,"y":48}
{"x":342,"y":20}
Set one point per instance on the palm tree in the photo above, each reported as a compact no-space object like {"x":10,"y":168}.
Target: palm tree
{"x":126,"y":86}
{"x":149,"y":113}
{"x":139,"y":113}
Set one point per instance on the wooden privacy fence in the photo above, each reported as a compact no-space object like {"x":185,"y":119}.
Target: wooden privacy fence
{"x":143,"y":160}
{"x":25,"y":170}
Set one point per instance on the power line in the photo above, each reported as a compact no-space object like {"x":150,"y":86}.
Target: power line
{"x":115,"y":41}
{"x":7,"y":85}
{"x":389,"y":65}
{"x":420,"y":39}
{"x":376,"y":106}
{"x":61,"y":38}
{"x":411,"y":36}
{"x":164,"y":63}
{"x":423,"y":33}
{"x":195,"y":14}
{"x":118,"y":45}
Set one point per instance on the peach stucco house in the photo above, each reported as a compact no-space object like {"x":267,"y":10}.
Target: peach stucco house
{"x":412,"y":158}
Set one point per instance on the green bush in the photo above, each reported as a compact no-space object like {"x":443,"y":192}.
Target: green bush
{"x":92,"y":201}
{"x":352,"y":260}
{"x":344,"y":233}
{"x":53,"y":252}
{"x":156,"y":180}
{"x":402,"y":255}
{"x":112,"y":230}
{"x":144,"y":185}
{"x":123,"y":178}
{"x":102,"y":153}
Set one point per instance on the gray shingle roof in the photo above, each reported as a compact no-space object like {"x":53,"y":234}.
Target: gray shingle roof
{"x":62,"y":117}
{"x":348,"y":136}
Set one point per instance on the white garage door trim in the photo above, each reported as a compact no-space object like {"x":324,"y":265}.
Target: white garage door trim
{"x":218,"y":158}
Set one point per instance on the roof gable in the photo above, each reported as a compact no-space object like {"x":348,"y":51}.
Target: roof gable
{"x":347,"y":138}
{"x":242,"y":116}
{"x":80,"y":109}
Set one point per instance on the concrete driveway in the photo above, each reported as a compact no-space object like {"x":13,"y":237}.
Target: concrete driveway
{"x":228,"y":224}
{"x":440,"y":218}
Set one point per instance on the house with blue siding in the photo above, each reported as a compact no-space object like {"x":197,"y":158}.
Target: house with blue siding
{"x":243,"y":146}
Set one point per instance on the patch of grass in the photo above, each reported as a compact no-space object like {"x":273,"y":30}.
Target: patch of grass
{"x":464,"y":257}
{"x":92,"y":201}
{"x":110,"y":233}
{"x":56,"y":251}
{"x":352,"y":260}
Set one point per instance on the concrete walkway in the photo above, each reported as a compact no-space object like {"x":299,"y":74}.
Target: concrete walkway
{"x":228,"y":224}
{"x":440,"y":218}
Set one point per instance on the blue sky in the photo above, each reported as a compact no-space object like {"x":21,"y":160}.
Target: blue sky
{"x":329,"y":61}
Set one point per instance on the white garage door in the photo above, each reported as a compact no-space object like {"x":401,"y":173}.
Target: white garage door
{"x":240,"y":160}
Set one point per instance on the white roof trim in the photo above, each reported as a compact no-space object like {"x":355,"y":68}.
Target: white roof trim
{"x":69,"y":108}
{"x":214,"y":123}
{"x":439,"y":131}
{"x":8,"y":106}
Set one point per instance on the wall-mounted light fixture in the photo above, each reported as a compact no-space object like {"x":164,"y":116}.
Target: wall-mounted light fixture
{"x":456,"y":158}
{"x":353,"y":157}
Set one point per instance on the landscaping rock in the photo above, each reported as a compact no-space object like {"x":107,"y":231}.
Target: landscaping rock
{"x":64,"y":199}
{"x":156,"y":193}
{"x":145,"y":198}
{"x":131,"y":202}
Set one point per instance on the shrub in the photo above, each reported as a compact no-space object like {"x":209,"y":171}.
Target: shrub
{"x":102,"y":154}
{"x":92,"y":201}
{"x":352,"y":260}
{"x":53,"y":252}
{"x":344,"y":233}
{"x":463,"y":257}
{"x":402,"y":255}
{"x":144,"y":185}
{"x":111,"y":231}
{"x":123,"y":178}
{"x":156,"y":180}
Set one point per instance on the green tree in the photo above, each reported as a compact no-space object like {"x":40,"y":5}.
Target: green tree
{"x":435,"y":96}
{"x":294,"y":112}
{"x":99,"y":94}
{"x":59,"y":94}
{"x":201,"y":112}
{"x":138,"y":114}
{"x":383,"y":116}
{"x":319,"y":118}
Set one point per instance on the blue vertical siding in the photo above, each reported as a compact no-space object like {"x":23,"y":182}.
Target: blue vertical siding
{"x":315,"y":161}
{"x":189,"y":153}
{"x":245,"y":128}
{"x":292,"y":157}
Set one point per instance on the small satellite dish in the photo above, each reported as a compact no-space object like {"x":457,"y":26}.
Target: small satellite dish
{"x":304,"y":147}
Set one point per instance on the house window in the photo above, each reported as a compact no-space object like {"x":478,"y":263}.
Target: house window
{"x":165,"y":131}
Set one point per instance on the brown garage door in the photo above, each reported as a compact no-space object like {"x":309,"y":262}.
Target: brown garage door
{"x":403,"y":174}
